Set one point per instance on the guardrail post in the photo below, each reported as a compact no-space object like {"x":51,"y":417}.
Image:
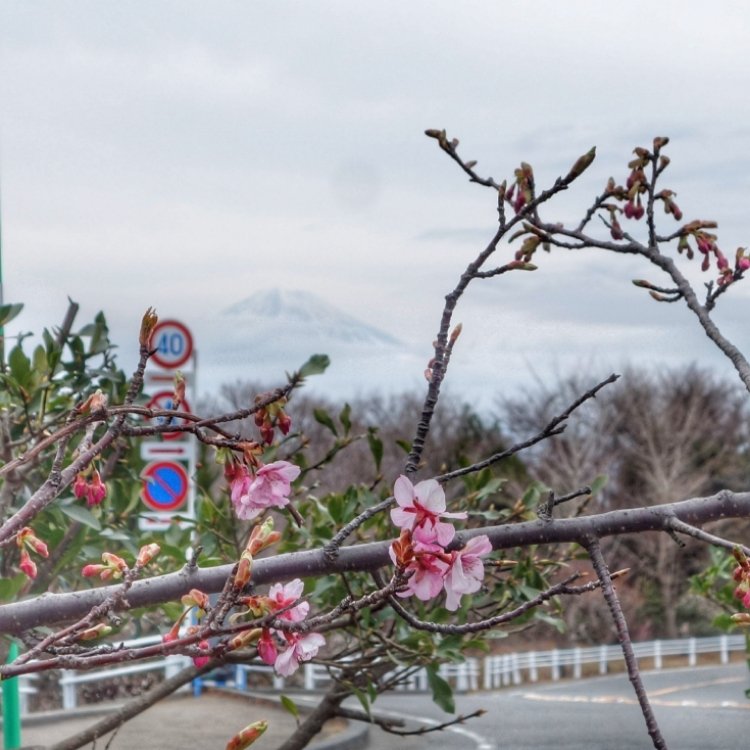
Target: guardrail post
{"x":657,"y":654}
{"x":68,"y":691}
{"x":533,"y":671}
{"x":691,"y":652}
{"x":724,"y":649}
{"x":577,"y":663}
{"x":555,"y":664}
{"x":602,"y":660}
{"x":514,"y":665}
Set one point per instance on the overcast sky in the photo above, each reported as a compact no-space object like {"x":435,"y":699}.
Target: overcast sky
{"x":187,"y":154}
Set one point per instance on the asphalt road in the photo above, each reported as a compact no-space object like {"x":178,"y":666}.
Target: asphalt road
{"x":697,"y":709}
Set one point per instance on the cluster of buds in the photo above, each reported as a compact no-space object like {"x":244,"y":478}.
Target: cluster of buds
{"x":670,"y":207}
{"x":705,"y":242}
{"x":91,"y":487}
{"x":267,"y":418}
{"x":197,"y":601}
{"x":27,"y":542}
{"x":112,"y":568}
{"x":521,"y":193}
{"x":741,"y":576}
{"x":420,"y":553}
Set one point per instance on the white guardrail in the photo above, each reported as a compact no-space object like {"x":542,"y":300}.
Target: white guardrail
{"x":492,"y":672}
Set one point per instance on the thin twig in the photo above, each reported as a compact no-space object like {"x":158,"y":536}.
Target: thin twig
{"x":610,"y":595}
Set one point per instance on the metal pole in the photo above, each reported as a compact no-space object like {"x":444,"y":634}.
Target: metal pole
{"x":11,"y":706}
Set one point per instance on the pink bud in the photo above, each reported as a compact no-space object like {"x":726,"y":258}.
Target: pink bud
{"x":89,"y":571}
{"x":247,"y":736}
{"x":201,"y":661}
{"x":80,"y":486}
{"x":147,"y":553}
{"x":27,"y":565}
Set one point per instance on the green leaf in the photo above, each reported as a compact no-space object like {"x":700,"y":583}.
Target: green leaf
{"x":344,"y":418}
{"x":405,"y":446}
{"x":8,"y":312}
{"x":598,"y":483}
{"x":491,"y":487}
{"x":290,"y":706}
{"x":442,"y":693}
{"x":322,"y":417}
{"x":316,"y":365}
{"x":9,"y":587}
{"x":556,"y":622}
{"x":376,"y":446}
{"x":363,"y":699}
{"x":20,"y":366}
{"x":81,"y":514}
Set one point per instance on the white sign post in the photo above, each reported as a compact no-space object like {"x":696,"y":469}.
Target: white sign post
{"x":168,"y":488}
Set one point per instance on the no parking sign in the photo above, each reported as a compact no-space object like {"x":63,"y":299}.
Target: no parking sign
{"x":165,"y":485}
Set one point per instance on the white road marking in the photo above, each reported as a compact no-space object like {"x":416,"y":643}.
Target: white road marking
{"x":482,"y":743}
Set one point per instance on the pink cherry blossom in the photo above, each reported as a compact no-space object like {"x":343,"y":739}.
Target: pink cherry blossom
{"x":427,"y":572}
{"x":269,"y":488}
{"x":267,"y":647}
{"x":283,"y":596}
{"x":301,"y":648}
{"x":420,"y":508}
{"x":466,"y":571}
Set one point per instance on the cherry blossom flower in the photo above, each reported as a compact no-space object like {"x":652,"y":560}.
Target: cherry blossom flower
{"x":466,"y":571}
{"x":267,"y":647}
{"x":268,"y":488}
{"x":428,"y":568}
{"x":283,"y":596}
{"x":301,"y":648}
{"x":420,"y":508}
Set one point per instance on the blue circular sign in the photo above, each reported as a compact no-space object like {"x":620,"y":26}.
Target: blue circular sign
{"x":165,"y":485}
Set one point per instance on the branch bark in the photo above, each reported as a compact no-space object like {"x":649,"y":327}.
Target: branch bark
{"x":49,"y":609}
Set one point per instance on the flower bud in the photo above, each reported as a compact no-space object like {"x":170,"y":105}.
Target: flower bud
{"x":201,"y":661}
{"x":582,"y":164}
{"x":247,"y":736}
{"x":148,"y":323}
{"x":93,"y":569}
{"x":27,"y":565}
{"x":98,"y":631}
{"x":244,"y":638}
{"x":196,"y":598}
{"x":244,"y":571}
{"x":147,"y":553}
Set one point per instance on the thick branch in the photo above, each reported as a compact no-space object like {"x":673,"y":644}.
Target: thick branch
{"x":47,"y":609}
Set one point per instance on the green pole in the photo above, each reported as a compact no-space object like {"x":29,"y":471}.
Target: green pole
{"x":11,"y":706}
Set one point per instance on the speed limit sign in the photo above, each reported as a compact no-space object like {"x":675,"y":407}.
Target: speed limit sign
{"x":173,"y":344}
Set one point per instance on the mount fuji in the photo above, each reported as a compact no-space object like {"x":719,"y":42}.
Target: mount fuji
{"x":273,"y":331}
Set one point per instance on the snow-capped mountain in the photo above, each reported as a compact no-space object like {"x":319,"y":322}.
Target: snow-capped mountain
{"x":274,"y":331}
{"x":302,"y":314}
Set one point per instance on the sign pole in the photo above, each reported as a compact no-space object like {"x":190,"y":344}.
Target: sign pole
{"x":11,"y":706}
